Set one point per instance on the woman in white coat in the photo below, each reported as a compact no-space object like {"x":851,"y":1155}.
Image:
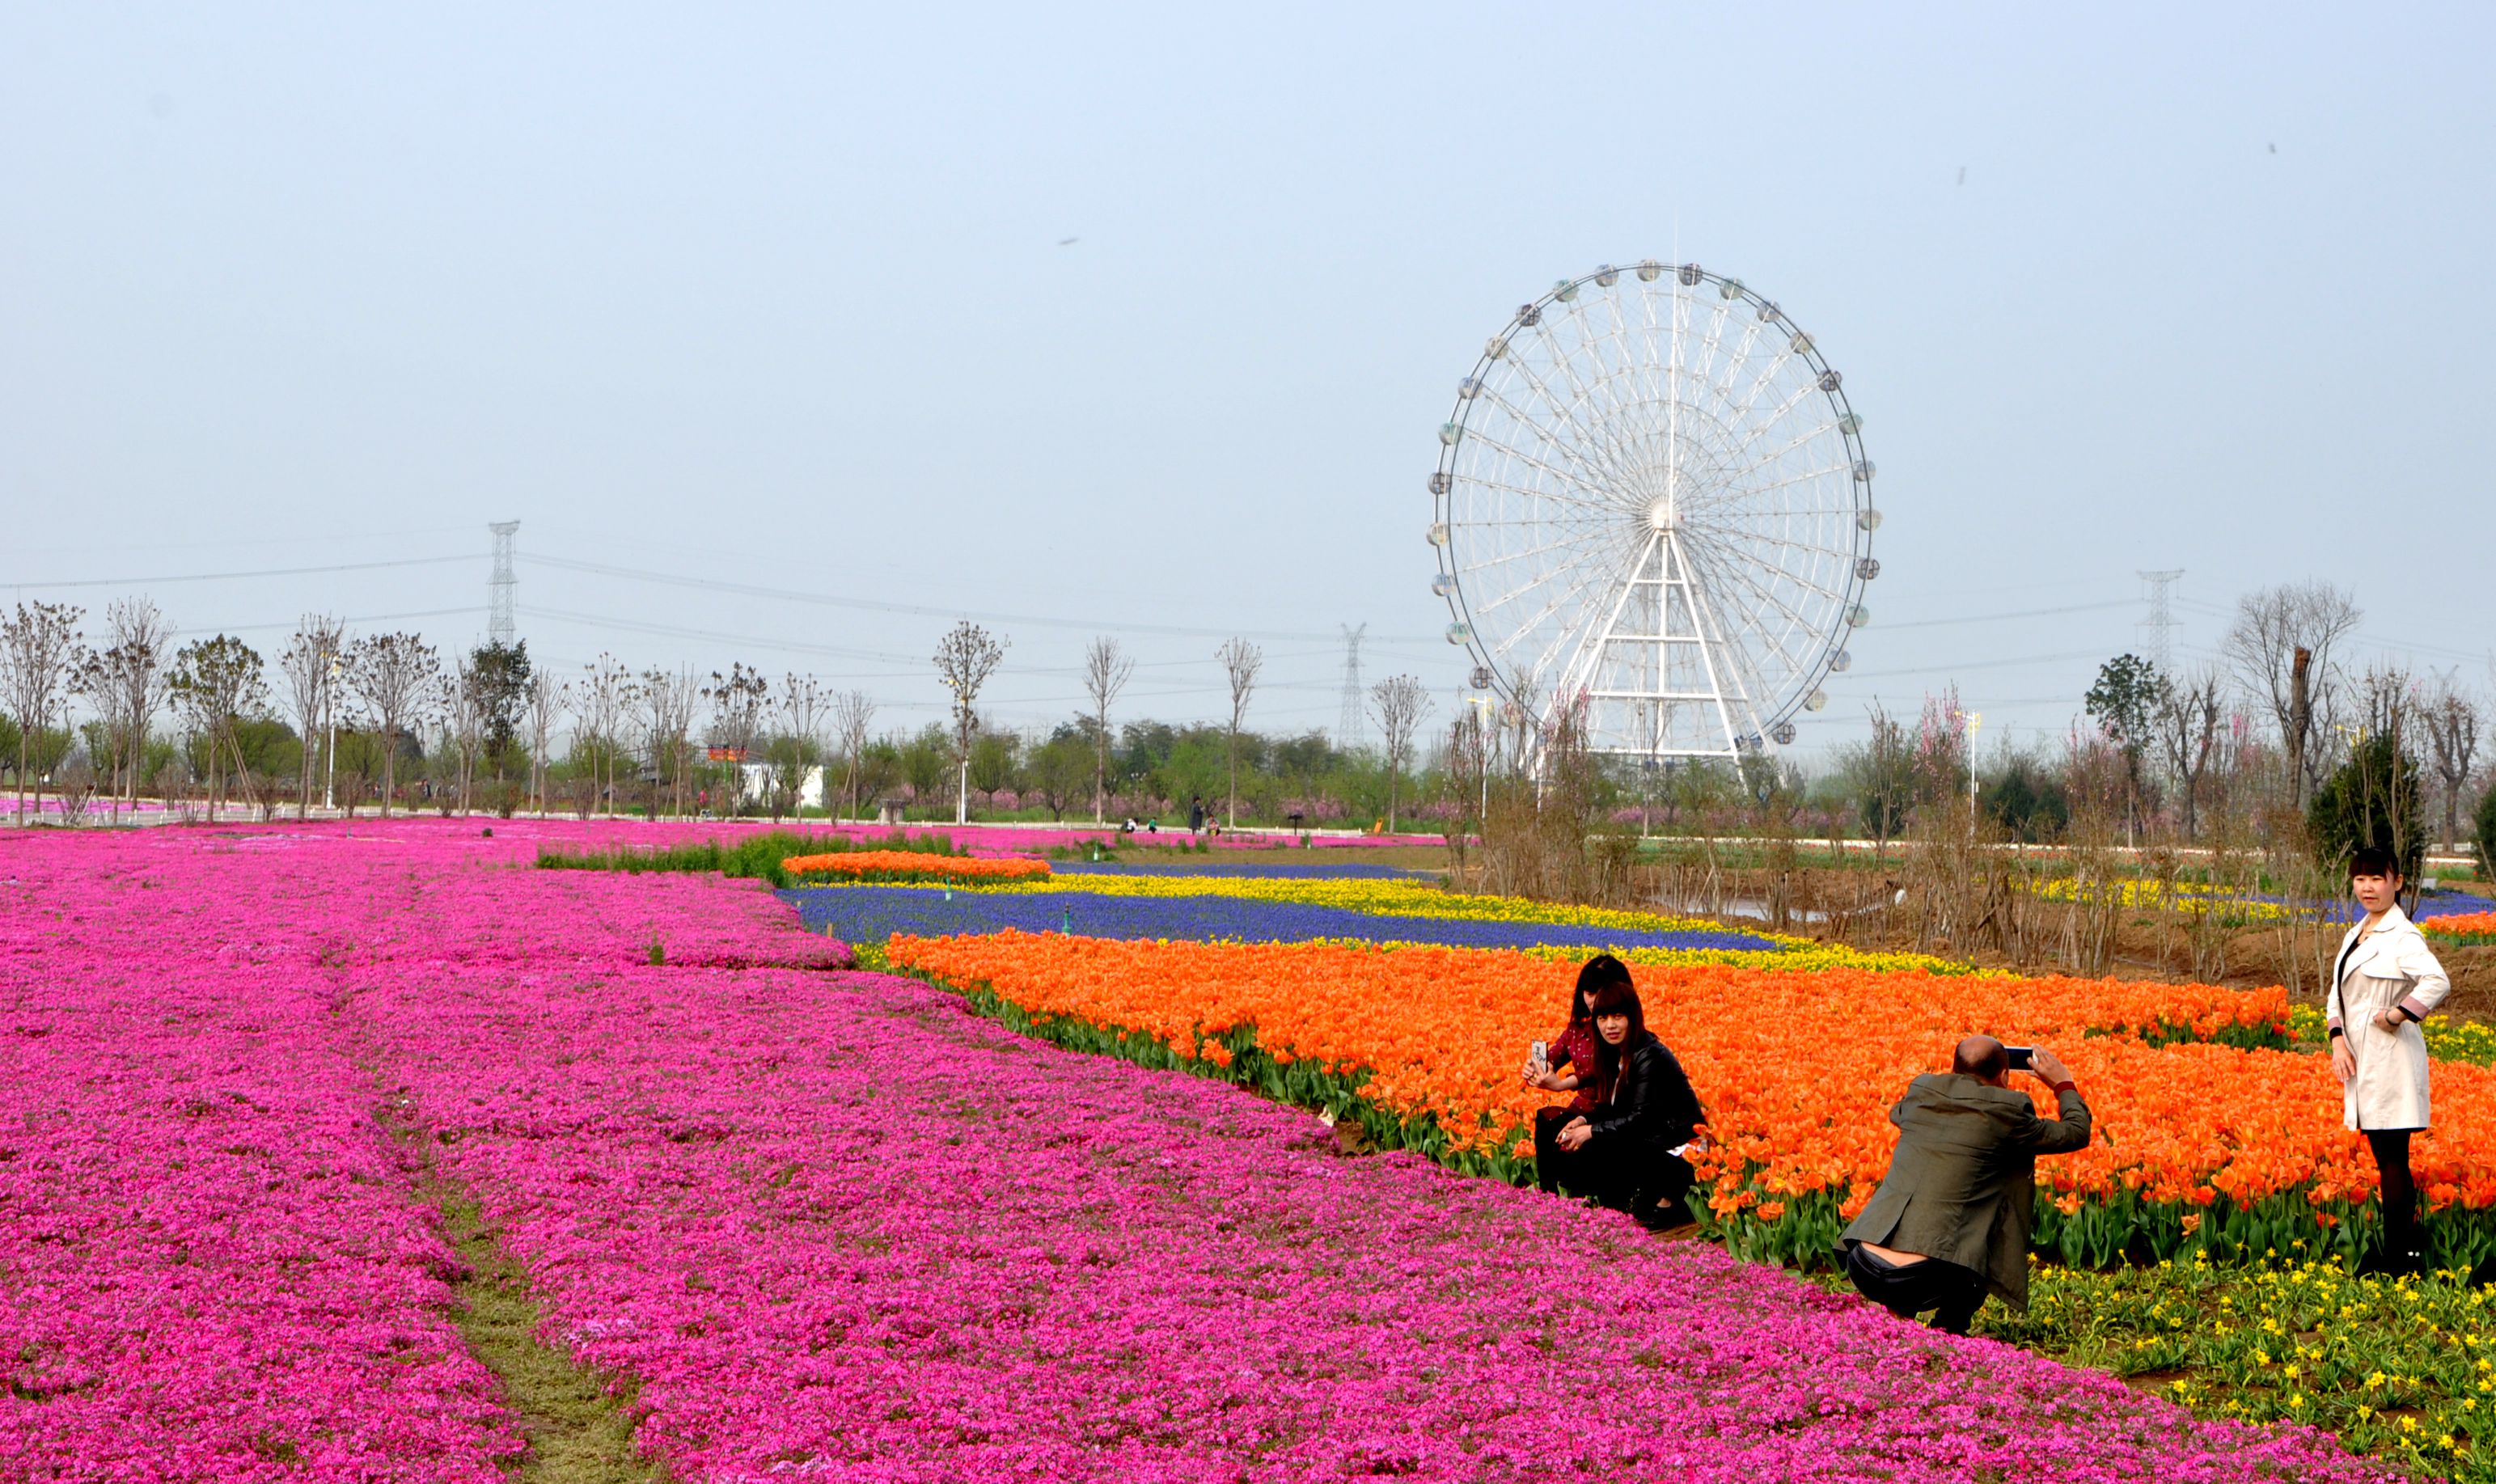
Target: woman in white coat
{"x":2383,"y":982}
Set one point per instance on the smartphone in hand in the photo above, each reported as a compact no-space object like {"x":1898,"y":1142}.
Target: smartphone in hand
{"x":2022,"y":1058}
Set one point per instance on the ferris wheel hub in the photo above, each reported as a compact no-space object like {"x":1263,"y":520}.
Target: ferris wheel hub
{"x":1659,"y":516}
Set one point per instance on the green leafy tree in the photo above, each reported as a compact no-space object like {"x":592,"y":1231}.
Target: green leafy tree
{"x":2485,"y":833}
{"x":498,"y":678}
{"x":219,"y":685}
{"x":2375,"y":798}
{"x":992,"y":762}
{"x":1061,"y":769}
{"x":2124,"y":703}
{"x":924,"y":761}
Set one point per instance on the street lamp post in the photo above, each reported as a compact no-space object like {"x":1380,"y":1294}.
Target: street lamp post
{"x":329,"y":704}
{"x":1974,"y":720}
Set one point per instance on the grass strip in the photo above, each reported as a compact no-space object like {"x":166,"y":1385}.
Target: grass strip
{"x":579,"y":1427}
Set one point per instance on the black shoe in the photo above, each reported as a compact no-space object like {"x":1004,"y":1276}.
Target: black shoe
{"x":1671,"y":1215}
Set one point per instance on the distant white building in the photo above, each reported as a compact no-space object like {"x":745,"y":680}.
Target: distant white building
{"x":761,"y":778}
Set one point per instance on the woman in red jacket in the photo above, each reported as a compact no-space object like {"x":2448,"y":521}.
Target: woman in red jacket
{"x":1573,"y":1049}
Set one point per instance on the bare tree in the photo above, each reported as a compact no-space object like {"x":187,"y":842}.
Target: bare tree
{"x":965,"y":658}
{"x":39,"y":656}
{"x":800,"y":748}
{"x":1241,"y":662}
{"x":218,"y":683}
{"x":547,"y":699}
{"x":464,"y":707}
{"x":1107,"y":669}
{"x":666,"y":700}
{"x":393,"y":675}
{"x":2450,"y":716}
{"x":852,"y":715}
{"x":606,"y":694}
{"x":1397,"y":703}
{"x":2281,"y":647}
{"x":2184,"y":718}
{"x":738,"y":701}
{"x":310,"y":664}
{"x":125,"y":682}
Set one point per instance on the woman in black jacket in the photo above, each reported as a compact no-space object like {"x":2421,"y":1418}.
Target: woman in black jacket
{"x":1623,"y":1153}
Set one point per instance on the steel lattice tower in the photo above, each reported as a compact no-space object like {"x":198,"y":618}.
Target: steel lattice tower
{"x":1349,"y":731}
{"x":500,"y":629}
{"x":2161,"y":622}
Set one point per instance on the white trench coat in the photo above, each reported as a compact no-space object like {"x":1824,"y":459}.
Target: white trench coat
{"x":2392,"y":965}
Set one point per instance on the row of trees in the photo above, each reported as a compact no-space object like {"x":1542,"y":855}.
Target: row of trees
{"x":491,"y":728}
{"x":2264,"y":743}
{"x":2247,"y":744}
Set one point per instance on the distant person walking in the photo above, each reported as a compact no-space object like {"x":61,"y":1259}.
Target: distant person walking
{"x":1949,"y":1223}
{"x":2383,"y":983}
{"x":1196,"y":815}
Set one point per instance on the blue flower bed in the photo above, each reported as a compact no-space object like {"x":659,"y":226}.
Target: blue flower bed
{"x":870,"y":915}
{"x":2431,"y":904}
{"x":1345,"y":870}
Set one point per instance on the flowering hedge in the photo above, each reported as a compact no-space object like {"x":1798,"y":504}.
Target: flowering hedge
{"x":2211,"y":1135}
{"x":911,"y":866}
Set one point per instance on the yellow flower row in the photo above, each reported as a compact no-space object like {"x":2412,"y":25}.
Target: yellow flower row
{"x":2175,"y":896}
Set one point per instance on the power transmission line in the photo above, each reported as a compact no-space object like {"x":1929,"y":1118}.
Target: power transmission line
{"x":227,"y":576}
{"x":871,"y":605}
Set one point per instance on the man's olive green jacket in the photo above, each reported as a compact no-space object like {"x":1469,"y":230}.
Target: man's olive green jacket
{"x":1962,"y":1185}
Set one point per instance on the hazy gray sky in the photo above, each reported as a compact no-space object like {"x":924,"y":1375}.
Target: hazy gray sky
{"x":776,"y":296}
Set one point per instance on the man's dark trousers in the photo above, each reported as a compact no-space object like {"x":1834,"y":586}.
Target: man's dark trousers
{"x":1906,"y":1292}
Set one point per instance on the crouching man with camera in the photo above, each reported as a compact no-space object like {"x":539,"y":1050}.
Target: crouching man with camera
{"x":1950,"y":1220}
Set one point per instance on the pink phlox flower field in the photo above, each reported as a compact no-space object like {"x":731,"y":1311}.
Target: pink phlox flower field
{"x":827,"y":1226}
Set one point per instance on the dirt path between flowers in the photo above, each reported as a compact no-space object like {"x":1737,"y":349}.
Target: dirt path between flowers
{"x":577,"y":1430}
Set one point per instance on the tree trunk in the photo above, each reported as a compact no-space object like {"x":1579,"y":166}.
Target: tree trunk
{"x":2300,"y":717}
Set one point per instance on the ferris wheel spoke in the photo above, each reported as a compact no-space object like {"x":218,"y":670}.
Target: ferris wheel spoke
{"x":1767,"y":592}
{"x":1580,"y":396}
{"x":1514,"y":592}
{"x":1594,"y":574}
{"x":1735,"y":492}
{"x":1778,"y":417}
{"x":1595,"y":456}
{"x":1608,"y":509}
{"x":1793,"y":665}
{"x":1591,"y":441}
{"x":1498,"y":400}
{"x":1775,"y":637}
{"x":1530,"y":461}
{"x":1732,"y":558}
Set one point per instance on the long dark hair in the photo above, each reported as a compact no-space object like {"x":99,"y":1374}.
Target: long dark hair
{"x":1601,"y":969}
{"x":1618,"y":997}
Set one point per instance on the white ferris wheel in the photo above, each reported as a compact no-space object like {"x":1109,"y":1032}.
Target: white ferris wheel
{"x":1653,"y":509}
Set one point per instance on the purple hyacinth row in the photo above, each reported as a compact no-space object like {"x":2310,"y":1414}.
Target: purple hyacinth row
{"x":874,"y":914}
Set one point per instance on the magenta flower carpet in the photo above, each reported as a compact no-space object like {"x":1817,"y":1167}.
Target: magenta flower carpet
{"x":825,"y":1226}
